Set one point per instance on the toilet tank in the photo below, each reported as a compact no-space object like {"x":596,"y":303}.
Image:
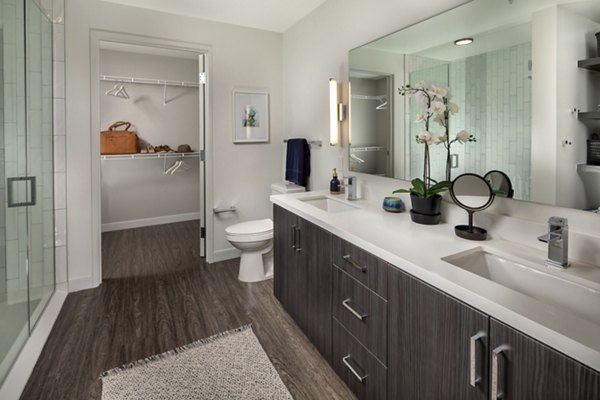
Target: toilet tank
{"x":286,"y":187}
{"x":590,"y":175}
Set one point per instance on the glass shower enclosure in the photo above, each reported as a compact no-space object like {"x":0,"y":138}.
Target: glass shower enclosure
{"x":26,"y":173}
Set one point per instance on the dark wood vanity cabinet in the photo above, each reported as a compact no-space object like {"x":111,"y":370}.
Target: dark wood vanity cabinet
{"x":302,"y":275}
{"x":529,"y":370}
{"x":389,"y":335}
{"x":433,"y":343}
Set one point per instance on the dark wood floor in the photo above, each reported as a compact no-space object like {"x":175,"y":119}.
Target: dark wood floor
{"x":158,"y":294}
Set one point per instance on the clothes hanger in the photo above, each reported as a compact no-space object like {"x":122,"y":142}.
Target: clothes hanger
{"x":122,"y":93}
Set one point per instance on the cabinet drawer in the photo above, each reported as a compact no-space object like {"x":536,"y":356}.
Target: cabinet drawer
{"x":362,"y":312}
{"x":362,"y":265}
{"x":361,"y":371}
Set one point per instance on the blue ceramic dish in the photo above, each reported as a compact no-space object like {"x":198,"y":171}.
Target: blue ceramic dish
{"x":393,"y":204}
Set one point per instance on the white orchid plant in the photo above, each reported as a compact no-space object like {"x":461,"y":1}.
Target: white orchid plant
{"x":436,"y":99}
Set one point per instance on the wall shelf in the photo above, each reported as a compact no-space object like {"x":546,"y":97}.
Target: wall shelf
{"x":193,"y":154}
{"x":588,"y":115}
{"x":593,"y":64}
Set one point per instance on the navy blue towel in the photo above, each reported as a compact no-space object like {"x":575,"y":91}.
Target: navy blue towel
{"x":297,"y":161}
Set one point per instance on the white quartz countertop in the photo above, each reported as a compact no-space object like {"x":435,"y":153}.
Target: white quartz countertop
{"x":419,"y":249}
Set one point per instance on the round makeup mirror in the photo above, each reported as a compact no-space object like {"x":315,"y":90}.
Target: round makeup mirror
{"x":500,"y":183}
{"x":472,"y":193}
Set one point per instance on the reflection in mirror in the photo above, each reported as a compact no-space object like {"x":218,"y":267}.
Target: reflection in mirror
{"x":472,"y":193}
{"x":500,"y":183}
{"x":492,"y":83}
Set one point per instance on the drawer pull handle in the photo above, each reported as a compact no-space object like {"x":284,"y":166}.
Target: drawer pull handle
{"x":496,"y":392}
{"x":298,"y":247}
{"x":361,"y":378}
{"x":474,"y":359}
{"x":358,"y":315}
{"x":354,"y":263}
{"x":293,"y":236}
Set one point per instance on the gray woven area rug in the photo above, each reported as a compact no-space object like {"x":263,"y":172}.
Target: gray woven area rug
{"x":229,"y":365}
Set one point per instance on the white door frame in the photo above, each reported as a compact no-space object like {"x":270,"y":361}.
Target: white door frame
{"x":97,"y":36}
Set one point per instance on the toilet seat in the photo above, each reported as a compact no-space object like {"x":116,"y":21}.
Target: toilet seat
{"x":261,"y":227}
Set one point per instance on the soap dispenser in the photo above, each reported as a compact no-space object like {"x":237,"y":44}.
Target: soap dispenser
{"x":334,"y":185}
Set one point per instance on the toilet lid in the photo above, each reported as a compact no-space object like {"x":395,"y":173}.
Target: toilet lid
{"x":251,"y":227}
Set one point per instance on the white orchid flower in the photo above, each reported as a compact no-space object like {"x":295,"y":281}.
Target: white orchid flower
{"x":439,"y":118}
{"x":422,"y":97}
{"x":439,"y":91}
{"x":420,"y":118}
{"x":426,"y":137}
{"x":463,"y":136}
{"x":437,"y":107}
{"x":453,"y":107}
{"x":440,"y":138}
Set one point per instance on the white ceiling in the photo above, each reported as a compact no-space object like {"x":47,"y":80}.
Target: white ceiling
{"x":271,"y":15}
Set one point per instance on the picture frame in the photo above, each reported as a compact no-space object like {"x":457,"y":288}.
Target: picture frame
{"x":250,"y":116}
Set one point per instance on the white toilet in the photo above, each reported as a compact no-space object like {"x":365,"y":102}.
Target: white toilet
{"x":255,"y":240}
{"x":590,"y":175}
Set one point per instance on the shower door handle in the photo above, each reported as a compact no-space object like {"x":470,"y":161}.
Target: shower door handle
{"x":10,"y":192}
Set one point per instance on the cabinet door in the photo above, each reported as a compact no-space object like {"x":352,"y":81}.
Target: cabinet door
{"x":529,"y":370}
{"x":315,"y":280}
{"x":284,"y":257}
{"x":436,"y":344}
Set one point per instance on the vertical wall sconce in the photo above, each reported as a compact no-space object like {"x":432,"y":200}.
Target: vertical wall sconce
{"x":336,"y":113}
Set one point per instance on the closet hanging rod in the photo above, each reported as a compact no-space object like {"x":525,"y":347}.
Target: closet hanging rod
{"x":380,"y":97}
{"x":149,"y":155}
{"x":318,"y":143}
{"x":145,"y":81}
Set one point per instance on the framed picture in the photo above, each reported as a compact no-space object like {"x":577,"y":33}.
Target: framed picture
{"x":250,"y":116}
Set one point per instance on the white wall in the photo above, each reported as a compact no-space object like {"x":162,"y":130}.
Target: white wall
{"x":316,"y":49}
{"x":240,"y":57}
{"x":128,"y":184}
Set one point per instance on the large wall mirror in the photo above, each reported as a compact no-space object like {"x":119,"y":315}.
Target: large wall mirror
{"x":514,"y":89}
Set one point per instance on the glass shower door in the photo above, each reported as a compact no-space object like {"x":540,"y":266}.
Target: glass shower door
{"x":40,"y":165}
{"x":14,"y":296}
{"x":26,"y":174}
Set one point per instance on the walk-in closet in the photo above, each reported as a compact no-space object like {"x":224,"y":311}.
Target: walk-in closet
{"x":151,"y":115}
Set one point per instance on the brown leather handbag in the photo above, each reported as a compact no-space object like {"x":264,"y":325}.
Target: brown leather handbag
{"x":115,"y":141}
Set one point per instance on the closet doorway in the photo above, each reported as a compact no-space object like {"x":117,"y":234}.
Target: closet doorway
{"x":151,"y":104}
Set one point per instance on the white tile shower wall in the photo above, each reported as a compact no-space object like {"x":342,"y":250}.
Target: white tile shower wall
{"x":60,"y":187}
{"x":14,"y":139}
{"x":499,"y":114}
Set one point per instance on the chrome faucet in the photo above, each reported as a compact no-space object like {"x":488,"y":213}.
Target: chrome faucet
{"x":350,"y":188}
{"x":558,"y":242}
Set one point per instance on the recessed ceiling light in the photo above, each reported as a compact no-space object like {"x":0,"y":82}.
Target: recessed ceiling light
{"x":463,"y":41}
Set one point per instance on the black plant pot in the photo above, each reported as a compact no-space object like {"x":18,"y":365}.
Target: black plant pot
{"x":426,"y":211}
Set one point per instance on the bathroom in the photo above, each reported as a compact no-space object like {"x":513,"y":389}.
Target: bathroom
{"x":290,"y":59}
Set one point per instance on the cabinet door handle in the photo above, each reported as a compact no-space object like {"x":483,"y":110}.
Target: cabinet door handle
{"x":361,"y":378}
{"x":356,"y":265}
{"x":496,"y":391}
{"x":358,"y":315}
{"x":298,"y":248}
{"x":293,"y":236}
{"x":474,"y":358}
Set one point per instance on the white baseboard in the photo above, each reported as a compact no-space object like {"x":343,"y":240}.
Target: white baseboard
{"x":77,"y":284}
{"x":138,"y":223}
{"x":226,"y":254}
{"x":21,"y":370}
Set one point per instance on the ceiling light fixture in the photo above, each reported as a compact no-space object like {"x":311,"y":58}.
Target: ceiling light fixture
{"x":463,"y":41}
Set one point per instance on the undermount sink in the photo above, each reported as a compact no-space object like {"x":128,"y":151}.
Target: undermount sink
{"x":533,"y":281}
{"x":329,"y":204}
